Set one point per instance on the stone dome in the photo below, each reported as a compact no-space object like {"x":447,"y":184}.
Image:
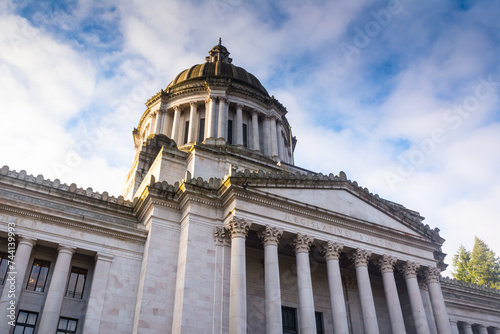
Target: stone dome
{"x":218,"y":65}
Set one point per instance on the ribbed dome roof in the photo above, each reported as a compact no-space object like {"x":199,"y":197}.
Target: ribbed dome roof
{"x":218,"y":64}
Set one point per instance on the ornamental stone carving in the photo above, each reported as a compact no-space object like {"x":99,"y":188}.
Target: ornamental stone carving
{"x":410,"y":269}
{"x":221,"y":236}
{"x":302,"y":243}
{"x":386,"y":263}
{"x":238,"y":227}
{"x":361,"y":257}
{"x":270,"y":235}
{"x":332,"y":250}
{"x":432,"y":275}
{"x":350,"y":283}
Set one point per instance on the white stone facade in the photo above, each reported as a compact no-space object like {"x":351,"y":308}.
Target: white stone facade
{"x":217,"y":231}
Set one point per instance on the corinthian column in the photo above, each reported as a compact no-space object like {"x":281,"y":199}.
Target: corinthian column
{"x":192,"y":120}
{"x":386,"y":264}
{"x":210,"y":109}
{"x":437,"y":301}
{"x":270,"y":237}
{"x":53,"y":302}
{"x":175,"y":125}
{"x":306,"y":300}
{"x":222,"y":127}
{"x":238,"y":284}
{"x":274,"y":138}
{"x":255,"y":130}
{"x":13,"y":284}
{"x":416,"y":303}
{"x":337,"y":300}
{"x":239,"y":124}
{"x":361,"y":258}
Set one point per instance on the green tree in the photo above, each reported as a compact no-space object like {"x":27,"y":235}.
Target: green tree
{"x":461,"y":262}
{"x":480,"y":266}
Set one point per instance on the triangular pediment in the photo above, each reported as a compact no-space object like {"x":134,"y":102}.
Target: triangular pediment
{"x":343,"y":202}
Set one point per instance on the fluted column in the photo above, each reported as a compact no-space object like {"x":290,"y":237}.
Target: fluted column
{"x":437,"y":301}
{"x":454,"y":327}
{"x":13,"y":284}
{"x":239,"y":124}
{"x":222,"y":126}
{"x":467,"y":328}
{"x":337,"y":300}
{"x":53,"y":302}
{"x":221,"y":280}
{"x":255,"y":130}
{"x":175,"y":124}
{"x":279,"y":139}
{"x":98,"y":289}
{"x":361,"y":258}
{"x":307,"y":321}
{"x":238,"y":285}
{"x":274,"y":137}
{"x":266,"y":128}
{"x":209,"y":119}
{"x":192,"y":122}
{"x":386,"y":264}
{"x":417,"y":306}
{"x":270,"y":237}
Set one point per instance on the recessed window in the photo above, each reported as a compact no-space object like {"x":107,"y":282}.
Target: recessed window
{"x":76,"y":283}
{"x":319,"y":322}
{"x":66,"y":326}
{"x":186,"y":132}
{"x":4,"y":263}
{"x":289,"y":316}
{"x":26,"y":322}
{"x":201,"y":130}
{"x":230,"y":131}
{"x":38,"y":276}
{"x":245,"y":135}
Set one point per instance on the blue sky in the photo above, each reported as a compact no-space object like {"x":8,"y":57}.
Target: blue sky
{"x":401,"y":95}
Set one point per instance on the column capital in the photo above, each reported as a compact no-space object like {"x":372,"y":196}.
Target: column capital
{"x":177,"y":107}
{"x":221,"y":236}
{"x":222,"y":98}
{"x":410,"y":269}
{"x":361,"y":257}
{"x":239,"y":106}
{"x":238,"y":227}
{"x":193,"y":104}
{"x":270,"y":235}
{"x":432,"y":275}
{"x":386,"y":264}
{"x":332,"y":250}
{"x":27,"y":241}
{"x":255,"y":112}
{"x":66,"y":249}
{"x":302,"y":243}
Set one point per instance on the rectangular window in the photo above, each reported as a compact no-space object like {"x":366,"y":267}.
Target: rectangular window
{"x":186,"y":132}
{"x":38,"y":276}
{"x":4,"y":262}
{"x":229,"y":131}
{"x":319,"y":322}
{"x":201,"y":130}
{"x":245,"y":136}
{"x":76,"y":283}
{"x":289,"y":320}
{"x":26,"y":322}
{"x":66,"y":326}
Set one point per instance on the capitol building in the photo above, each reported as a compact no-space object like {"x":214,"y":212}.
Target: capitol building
{"x":218,"y":231}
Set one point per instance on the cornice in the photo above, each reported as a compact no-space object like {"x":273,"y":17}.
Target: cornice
{"x":130,"y":234}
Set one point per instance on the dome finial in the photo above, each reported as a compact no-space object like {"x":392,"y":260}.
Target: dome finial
{"x":220,"y":41}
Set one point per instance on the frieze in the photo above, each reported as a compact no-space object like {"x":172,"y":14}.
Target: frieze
{"x":341,"y":231}
{"x":65,"y":208}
